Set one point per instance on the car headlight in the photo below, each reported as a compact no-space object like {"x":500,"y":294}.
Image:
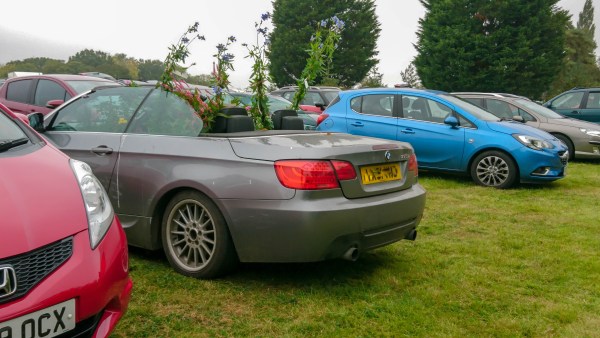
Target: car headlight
{"x":99,"y":211}
{"x":590,"y":132}
{"x":533,"y":143}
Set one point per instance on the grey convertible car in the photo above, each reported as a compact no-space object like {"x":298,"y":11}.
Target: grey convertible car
{"x":211,"y":200}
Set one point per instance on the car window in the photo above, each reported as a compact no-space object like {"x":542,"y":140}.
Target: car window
{"x":474,"y":100}
{"x":424,"y":109}
{"x":83,"y":86}
{"x":532,"y":106}
{"x":288,"y":96}
{"x":330,"y":95}
{"x":164,"y":113}
{"x":569,"y":100}
{"x":502,"y":109}
{"x":106,"y":110}
{"x":593,"y":100}
{"x":312,"y":99}
{"x":377,"y":104}
{"x":18,"y":91}
{"x":48,"y":90}
{"x":9,"y":129}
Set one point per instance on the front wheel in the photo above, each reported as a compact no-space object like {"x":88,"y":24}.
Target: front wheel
{"x":195,"y":237}
{"x":494,"y":169}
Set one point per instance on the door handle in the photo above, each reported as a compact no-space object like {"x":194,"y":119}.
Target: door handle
{"x":102,"y":150}
{"x":407,"y":131}
{"x":357,"y":124}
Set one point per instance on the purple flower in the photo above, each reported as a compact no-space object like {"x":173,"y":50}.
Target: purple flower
{"x":201,"y":37}
{"x":221,"y":47}
{"x":232,"y":38}
{"x":227,"y":57}
{"x":185,"y":40}
{"x":323,"y":23}
{"x":265,"y":16}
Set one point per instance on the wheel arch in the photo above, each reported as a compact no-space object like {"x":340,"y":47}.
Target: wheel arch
{"x":166,"y":195}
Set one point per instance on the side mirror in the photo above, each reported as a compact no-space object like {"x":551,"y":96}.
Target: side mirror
{"x":451,"y":121}
{"x":36,"y":121}
{"x":54,"y":103}
{"x":518,"y":118}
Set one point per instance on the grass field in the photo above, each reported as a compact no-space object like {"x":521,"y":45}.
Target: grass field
{"x":487,"y":262}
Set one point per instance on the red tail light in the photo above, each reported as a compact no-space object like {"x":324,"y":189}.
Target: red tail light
{"x":321,"y":118}
{"x":413,"y":165}
{"x":313,"y":174}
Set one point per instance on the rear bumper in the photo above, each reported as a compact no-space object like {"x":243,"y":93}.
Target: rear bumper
{"x":97,"y":279}
{"x":314,"y":226}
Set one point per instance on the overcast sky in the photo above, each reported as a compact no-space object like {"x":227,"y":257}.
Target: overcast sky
{"x":145,"y":29}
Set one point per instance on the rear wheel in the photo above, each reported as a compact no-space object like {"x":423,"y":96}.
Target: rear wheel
{"x":567,"y":143}
{"x":494,"y":169}
{"x":195,"y":237}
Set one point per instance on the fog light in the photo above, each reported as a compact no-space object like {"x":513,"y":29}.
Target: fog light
{"x":541,"y":171}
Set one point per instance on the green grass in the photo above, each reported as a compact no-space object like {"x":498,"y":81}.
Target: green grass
{"x":487,"y":262}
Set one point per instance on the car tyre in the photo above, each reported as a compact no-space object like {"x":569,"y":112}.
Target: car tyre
{"x":494,"y":169}
{"x":564,"y":139}
{"x":195,"y":237}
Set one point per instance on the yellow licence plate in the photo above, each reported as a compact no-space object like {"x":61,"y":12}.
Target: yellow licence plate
{"x":380,"y":173}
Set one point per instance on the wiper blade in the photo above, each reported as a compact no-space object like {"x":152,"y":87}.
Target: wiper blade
{"x":5,"y":145}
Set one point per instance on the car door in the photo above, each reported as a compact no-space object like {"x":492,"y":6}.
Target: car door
{"x":437,"y":145}
{"x":90,"y":128}
{"x":145,"y":156}
{"x":590,"y":110}
{"x":16,"y":95}
{"x":373,"y":115}
{"x":569,"y":105}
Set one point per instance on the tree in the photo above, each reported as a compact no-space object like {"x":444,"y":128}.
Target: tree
{"x":150,"y":69}
{"x":290,"y":38}
{"x":373,"y":80}
{"x":586,"y":19}
{"x":580,"y":67}
{"x":410,"y":76}
{"x":509,"y":46}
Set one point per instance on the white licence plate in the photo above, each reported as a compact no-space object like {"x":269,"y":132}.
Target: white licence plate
{"x":49,"y":322}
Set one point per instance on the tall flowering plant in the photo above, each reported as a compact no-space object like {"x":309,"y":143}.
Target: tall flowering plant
{"x":206,"y":108}
{"x":322,"y":45}
{"x":220,"y":77}
{"x":259,"y":110}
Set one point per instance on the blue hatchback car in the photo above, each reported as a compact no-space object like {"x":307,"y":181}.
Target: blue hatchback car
{"x":450,"y":134}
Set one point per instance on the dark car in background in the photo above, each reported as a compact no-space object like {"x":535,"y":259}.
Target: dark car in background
{"x":42,"y":93}
{"x":211,"y":199}
{"x":316,"y":97}
{"x":581,"y":137}
{"x":578,"y":103}
{"x":63,"y":254}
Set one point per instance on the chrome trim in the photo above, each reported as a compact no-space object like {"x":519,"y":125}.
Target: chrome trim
{"x":8,"y":281}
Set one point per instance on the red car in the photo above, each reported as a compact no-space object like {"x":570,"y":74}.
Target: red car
{"x":63,"y":253}
{"x":43,"y":93}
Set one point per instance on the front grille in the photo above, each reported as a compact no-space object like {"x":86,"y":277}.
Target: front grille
{"x":84,"y":328}
{"x":33,"y":266}
{"x":564,"y":156}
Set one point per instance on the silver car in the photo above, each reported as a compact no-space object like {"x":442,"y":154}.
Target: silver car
{"x":211,"y":200}
{"x":582,"y":138}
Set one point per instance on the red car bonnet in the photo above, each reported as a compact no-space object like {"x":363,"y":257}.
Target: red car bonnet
{"x":40,"y":201}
